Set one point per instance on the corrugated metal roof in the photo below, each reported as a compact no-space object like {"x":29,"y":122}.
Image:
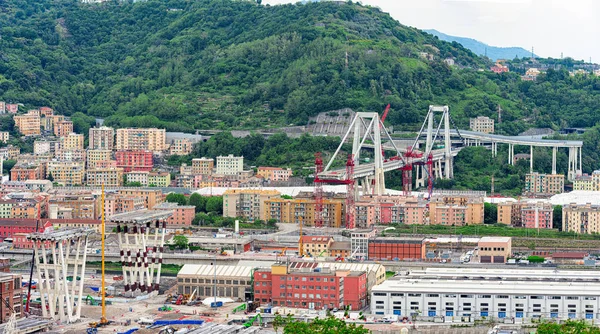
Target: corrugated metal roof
{"x":208,"y":270}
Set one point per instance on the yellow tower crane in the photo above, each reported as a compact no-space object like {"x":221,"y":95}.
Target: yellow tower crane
{"x":103,"y":321}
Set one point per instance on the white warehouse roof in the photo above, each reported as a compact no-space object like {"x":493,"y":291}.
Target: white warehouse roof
{"x":444,"y":286}
{"x":577,"y":197}
{"x":290,"y":191}
{"x":194,"y":270}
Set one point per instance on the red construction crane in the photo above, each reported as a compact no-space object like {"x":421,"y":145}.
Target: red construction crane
{"x":318,"y":191}
{"x":349,"y":182}
{"x":409,"y":155}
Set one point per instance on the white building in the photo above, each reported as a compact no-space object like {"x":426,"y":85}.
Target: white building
{"x":459,"y":294}
{"x":138,"y":176}
{"x":229,"y":165}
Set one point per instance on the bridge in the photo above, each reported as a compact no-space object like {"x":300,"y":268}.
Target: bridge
{"x":367,"y":126}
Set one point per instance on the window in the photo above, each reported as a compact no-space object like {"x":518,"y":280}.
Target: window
{"x":555,"y":297}
{"x":502,"y":297}
{"x":414,"y":295}
{"x":379,"y":294}
{"x":572,"y":298}
{"x":484,"y":296}
{"x":433,"y":295}
{"x":466,"y":296}
{"x":380,"y":302}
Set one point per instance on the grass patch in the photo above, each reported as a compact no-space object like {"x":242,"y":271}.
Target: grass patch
{"x":489,"y":230}
{"x":116,"y":266}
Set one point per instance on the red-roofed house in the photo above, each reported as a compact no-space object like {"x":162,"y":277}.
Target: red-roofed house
{"x":316,"y":245}
{"x":569,"y":257}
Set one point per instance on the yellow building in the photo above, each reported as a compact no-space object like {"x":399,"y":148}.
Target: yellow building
{"x":110,"y":177}
{"x":316,"y":246}
{"x":28,"y":124}
{"x":94,"y":156}
{"x":203,"y":166}
{"x":49,"y":122}
{"x":247,"y":203}
{"x":587,"y":182}
{"x":482,"y":124}
{"x":181,"y":146}
{"x":582,"y":218}
{"x":509,"y":213}
{"x":66,"y":173}
{"x":72,"y":141}
{"x":457,"y":210}
{"x":159,"y":179}
{"x":4,"y":136}
{"x":303,"y":210}
{"x":141,"y":139}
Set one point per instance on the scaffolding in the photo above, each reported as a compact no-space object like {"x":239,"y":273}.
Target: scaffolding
{"x":63,"y":255}
{"x":141,"y":236}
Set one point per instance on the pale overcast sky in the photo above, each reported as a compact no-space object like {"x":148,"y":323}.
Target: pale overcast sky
{"x":550,"y":26}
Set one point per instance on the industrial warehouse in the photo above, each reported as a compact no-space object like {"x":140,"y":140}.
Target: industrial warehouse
{"x":510,"y":296}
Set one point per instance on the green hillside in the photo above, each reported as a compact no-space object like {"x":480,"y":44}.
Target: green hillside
{"x":199,"y":64}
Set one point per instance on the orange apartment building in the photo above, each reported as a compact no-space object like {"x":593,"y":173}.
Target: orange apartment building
{"x":274,"y":173}
{"x":316,"y":246}
{"x":390,"y":209}
{"x":151,"y":139}
{"x":28,"y":124}
{"x":203,"y":166}
{"x":183,"y":215}
{"x":116,"y":203}
{"x":152,"y":197}
{"x":63,"y":128}
{"x":302,"y":209}
{"x":456,"y":210}
{"x":27,"y":171}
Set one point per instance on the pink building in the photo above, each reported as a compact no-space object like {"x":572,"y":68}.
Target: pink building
{"x":274,"y":173}
{"x":389,"y":209}
{"x":499,"y":68}
{"x":183,"y":215}
{"x":12,"y":108}
{"x":537,"y":215}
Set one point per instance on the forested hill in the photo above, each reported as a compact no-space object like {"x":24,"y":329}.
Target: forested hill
{"x":186,"y":65}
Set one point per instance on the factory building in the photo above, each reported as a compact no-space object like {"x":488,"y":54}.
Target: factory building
{"x":231,"y":281}
{"x":459,"y":294}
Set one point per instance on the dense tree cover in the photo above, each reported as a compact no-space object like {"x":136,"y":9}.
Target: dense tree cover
{"x":176,"y":198}
{"x":185,"y":65}
{"x":317,"y":326}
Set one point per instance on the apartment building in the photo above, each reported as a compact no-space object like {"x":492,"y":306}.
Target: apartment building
{"x":587,"y":182}
{"x":184,"y":169}
{"x":22,"y":207}
{"x":151,"y":139}
{"x":509,"y":213}
{"x":12,"y":292}
{"x":181,"y":146}
{"x":66,"y":173}
{"x":9,"y":152}
{"x":229,"y":165}
{"x":93,"y":156}
{"x":2,"y":107}
{"x":70,"y":155}
{"x":4,"y":136}
{"x":46,"y":111}
{"x":41,"y":147}
{"x":102,"y":138}
{"x":389,"y":209}
{"x":274,"y":173}
{"x":581,"y":218}
{"x":134,"y":160}
{"x":49,"y":122}
{"x":203,"y":166}
{"x":63,"y":128}
{"x":81,"y":205}
{"x":183,"y":215}
{"x":151,"y":197}
{"x":72,"y":141}
{"x":106,"y":164}
{"x":12,"y":108}
{"x":456,"y":210}
{"x":24,"y":171}
{"x":537,"y":215}
{"x":482,"y":124}
{"x":302,"y":209}
{"x":537,"y":184}
{"x":109,"y":177}
{"x":159,"y":179}
{"x":311,"y":287}
{"x":247,"y":203}
{"x":115,"y":203}
{"x":28,"y":124}
{"x":138,"y":176}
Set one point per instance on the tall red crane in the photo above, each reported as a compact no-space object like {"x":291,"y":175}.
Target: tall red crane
{"x":318,"y":191}
{"x":349,"y":182}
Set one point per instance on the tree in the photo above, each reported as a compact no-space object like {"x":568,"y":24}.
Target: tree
{"x":180,"y":242}
{"x":50,"y":177}
{"x":198,"y":201}
{"x":490,"y":213}
{"x":535,"y":259}
{"x":570,"y":326}
{"x":322,"y":326}
{"x":215,"y":204}
{"x":177,"y":198}
{"x":557,"y":217}
{"x":9,"y":164}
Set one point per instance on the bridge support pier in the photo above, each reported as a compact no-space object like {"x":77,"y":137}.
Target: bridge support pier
{"x":574,"y":164}
{"x":511,"y":154}
{"x":531,"y":159}
{"x":420,"y":176}
{"x":554,"y":160}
